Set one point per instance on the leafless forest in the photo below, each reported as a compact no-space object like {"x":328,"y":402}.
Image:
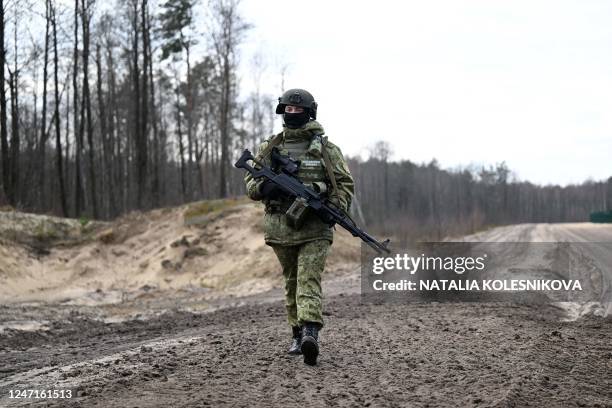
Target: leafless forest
{"x":108,"y":107}
{"x":425,"y":201}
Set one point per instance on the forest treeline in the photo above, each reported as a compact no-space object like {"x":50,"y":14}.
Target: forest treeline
{"x":424,"y":201}
{"x":108,"y":107}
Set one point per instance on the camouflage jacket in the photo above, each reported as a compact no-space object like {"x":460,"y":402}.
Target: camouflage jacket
{"x":304,"y":144}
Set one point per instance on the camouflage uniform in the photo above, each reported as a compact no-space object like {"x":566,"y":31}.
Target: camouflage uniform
{"x":302,"y":252}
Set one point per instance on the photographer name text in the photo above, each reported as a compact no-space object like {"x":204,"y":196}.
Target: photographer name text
{"x":489,"y":285}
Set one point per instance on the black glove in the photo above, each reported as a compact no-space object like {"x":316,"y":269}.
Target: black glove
{"x":270,"y":190}
{"x":327,"y":219}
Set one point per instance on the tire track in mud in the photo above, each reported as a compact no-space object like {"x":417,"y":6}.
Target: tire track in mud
{"x":566,"y":371}
{"x":596,"y":249}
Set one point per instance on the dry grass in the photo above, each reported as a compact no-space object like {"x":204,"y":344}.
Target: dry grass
{"x":199,"y":209}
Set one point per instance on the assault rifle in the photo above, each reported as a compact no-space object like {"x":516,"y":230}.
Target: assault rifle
{"x":286,"y":179}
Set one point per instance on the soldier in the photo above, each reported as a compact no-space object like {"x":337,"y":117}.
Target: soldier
{"x":302,"y":248}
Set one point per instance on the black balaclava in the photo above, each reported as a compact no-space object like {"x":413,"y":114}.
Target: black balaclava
{"x":296,"y":120}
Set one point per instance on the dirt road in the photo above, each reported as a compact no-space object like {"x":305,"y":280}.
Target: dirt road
{"x":429,"y":354}
{"x":590,"y":256}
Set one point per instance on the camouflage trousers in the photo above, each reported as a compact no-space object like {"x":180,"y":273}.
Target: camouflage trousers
{"x":302,"y":268}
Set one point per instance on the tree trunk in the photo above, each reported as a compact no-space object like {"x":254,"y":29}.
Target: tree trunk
{"x":43,"y":119}
{"x":189,"y":124}
{"x":224,"y":127}
{"x":85,"y":17}
{"x":58,"y":141}
{"x":67,"y":162}
{"x":15,"y":141}
{"x":78,"y":187}
{"x":181,"y":147}
{"x":207,"y":154}
{"x":156,"y":185}
{"x":143,"y":154}
{"x":116,"y":171}
{"x":3,"y":115}
{"x":139,"y":163}
{"x":105,"y":170}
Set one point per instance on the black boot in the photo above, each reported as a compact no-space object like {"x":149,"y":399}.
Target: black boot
{"x":310,"y":342}
{"x":296,"y":343}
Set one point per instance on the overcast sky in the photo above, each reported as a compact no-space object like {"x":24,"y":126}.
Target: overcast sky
{"x":528,"y":82}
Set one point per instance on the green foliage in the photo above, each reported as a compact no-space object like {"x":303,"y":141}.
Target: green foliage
{"x":45,"y":232}
{"x":172,"y":47}
{"x":176,"y":17}
{"x":83,"y":221}
{"x":209,"y":206}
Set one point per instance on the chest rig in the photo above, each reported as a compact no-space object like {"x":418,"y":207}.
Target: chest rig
{"x":315,"y":168}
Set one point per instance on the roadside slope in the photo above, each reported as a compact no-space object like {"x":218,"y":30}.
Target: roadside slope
{"x":212,"y":247}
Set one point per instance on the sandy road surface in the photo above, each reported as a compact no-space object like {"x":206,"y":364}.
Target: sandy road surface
{"x":448,"y":355}
{"x":590,"y":254}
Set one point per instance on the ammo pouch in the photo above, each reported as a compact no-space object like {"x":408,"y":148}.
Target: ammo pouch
{"x":297,"y":213}
{"x":277,"y":206}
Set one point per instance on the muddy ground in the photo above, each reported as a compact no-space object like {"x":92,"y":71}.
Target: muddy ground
{"x":436,"y":355}
{"x":138,"y":336}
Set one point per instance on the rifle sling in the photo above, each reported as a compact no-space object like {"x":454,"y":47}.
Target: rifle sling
{"x":328,"y":167}
{"x":274,"y":141}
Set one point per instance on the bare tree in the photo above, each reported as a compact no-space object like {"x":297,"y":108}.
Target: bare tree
{"x":176,"y":25}
{"x":86,"y":11}
{"x":58,"y":141}
{"x":78,"y":188}
{"x":3,"y":113}
{"x":226,"y":33}
{"x":15,"y":136}
{"x":43,"y":126}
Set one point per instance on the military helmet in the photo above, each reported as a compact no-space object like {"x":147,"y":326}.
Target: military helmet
{"x":297,"y":97}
